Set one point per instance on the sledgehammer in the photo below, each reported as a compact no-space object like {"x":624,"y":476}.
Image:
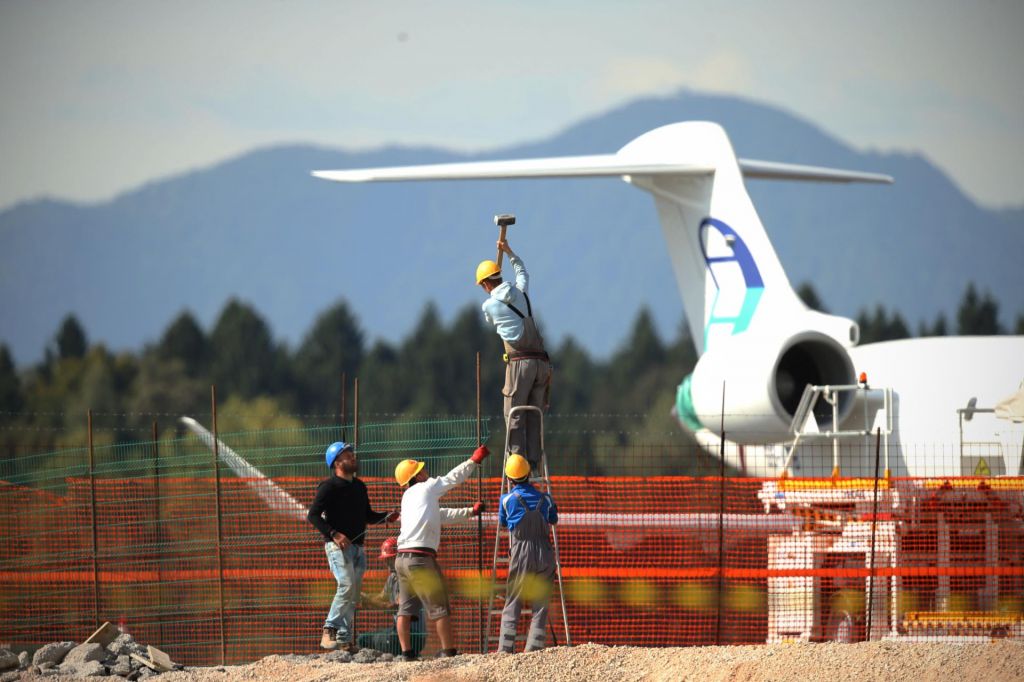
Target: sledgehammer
{"x":503,"y":221}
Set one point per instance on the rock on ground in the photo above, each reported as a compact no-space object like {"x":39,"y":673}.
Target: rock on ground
{"x":90,"y":669}
{"x":84,"y":653}
{"x":52,"y":653}
{"x":8,"y":660}
{"x":125,"y":644}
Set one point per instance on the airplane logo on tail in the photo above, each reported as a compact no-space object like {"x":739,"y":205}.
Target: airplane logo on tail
{"x":733,"y":271}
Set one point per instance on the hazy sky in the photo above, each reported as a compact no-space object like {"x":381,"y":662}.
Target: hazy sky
{"x":98,"y":97}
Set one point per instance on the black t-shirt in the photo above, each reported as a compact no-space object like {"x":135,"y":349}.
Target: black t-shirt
{"x":342,"y":506}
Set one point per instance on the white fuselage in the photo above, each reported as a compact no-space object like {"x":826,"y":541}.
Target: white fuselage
{"x":933,"y":381}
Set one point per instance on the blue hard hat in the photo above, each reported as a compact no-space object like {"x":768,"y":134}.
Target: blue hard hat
{"x":335,"y":449}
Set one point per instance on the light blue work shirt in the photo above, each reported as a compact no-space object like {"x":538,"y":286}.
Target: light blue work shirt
{"x":496,"y":310}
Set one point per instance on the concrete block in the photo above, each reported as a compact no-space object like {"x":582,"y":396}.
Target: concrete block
{"x":52,"y":653}
{"x":121,"y":670}
{"x":84,"y":653}
{"x":91,"y":669}
{"x":125,"y":644}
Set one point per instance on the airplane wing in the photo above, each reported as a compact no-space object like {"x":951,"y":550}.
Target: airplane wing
{"x":611,"y":165}
{"x":601,"y":165}
{"x":772,"y":170}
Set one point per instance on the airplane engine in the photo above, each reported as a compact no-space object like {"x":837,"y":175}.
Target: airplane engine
{"x":764,"y":379}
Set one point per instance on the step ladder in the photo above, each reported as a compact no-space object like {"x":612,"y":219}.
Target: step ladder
{"x":503,"y":541}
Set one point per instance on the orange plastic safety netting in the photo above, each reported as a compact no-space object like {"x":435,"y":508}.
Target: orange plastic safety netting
{"x":210,"y":570}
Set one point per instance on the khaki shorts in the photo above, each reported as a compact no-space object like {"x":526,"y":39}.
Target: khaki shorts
{"x":420,"y":585}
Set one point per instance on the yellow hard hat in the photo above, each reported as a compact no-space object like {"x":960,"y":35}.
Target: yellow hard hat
{"x":517,"y":467}
{"x":407,"y":470}
{"x":486,"y":270}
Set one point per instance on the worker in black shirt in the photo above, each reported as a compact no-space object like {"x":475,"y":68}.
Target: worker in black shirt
{"x":340,"y":511}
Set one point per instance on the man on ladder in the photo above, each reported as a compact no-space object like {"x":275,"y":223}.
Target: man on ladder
{"x":528,"y":369}
{"x":528,"y":514}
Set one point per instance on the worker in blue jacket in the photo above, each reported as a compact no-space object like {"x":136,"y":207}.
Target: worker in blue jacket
{"x":528,"y":514}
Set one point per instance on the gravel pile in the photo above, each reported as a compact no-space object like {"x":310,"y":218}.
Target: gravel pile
{"x":62,"y":660}
{"x":890,"y":661}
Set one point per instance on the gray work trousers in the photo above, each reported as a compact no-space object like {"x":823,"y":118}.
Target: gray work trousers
{"x":526,"y":383}
{"x":526,"y":588}
{"x":531,"y":567}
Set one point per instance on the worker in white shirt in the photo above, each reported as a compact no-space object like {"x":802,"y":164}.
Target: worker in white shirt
{"x":420,"y":581}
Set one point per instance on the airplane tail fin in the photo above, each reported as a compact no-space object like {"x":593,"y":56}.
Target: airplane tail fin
{"x":728,"y":273}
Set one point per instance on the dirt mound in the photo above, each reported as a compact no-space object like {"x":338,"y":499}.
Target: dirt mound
{"x":891,"y":661}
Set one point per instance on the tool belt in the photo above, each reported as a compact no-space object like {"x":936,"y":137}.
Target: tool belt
{"x":526,"y":355}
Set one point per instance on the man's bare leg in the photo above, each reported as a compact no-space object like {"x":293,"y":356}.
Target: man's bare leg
{"x":444,"y":632}
{"x":404,"y":626}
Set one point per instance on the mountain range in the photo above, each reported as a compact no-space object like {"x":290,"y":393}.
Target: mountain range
{"x":259,"y":228}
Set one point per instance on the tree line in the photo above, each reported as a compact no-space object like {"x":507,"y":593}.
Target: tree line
{"x":262,"y":383}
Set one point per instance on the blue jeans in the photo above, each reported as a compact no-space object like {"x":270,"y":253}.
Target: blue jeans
{"x":348,"y":566}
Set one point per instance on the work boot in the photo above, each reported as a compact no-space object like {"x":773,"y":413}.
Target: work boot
{"x":446,"y":653}
{"x":329,"y":640}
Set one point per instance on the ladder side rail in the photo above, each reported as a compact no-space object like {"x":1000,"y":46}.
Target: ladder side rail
{"x":807,"y":402}
{"x":502,"y":489}
{"x":558,"y":555}
{"x":554,"y":534}
{"x":554,"y":529}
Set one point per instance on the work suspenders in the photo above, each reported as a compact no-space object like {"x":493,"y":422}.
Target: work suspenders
{"x":529,"y":308}
{"x":526,"y":507}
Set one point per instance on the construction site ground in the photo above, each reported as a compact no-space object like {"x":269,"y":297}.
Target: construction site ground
{"x":886,"y":660}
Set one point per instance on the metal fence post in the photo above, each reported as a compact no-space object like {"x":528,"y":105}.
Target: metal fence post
{"x":220,"y":557}
{"x":874,"y":527}
{"x":355,"y":416}
{"x":159,"y":528}
{"x":479,"y":519}
{"x":92,"y":522}
{"x":721,"y":523}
